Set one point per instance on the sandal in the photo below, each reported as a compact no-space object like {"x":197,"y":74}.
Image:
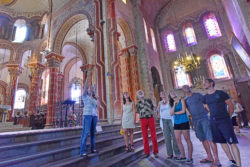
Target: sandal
{"x":127,"y":149}
{"x":132,"y":148}
{"x":206,"y":161}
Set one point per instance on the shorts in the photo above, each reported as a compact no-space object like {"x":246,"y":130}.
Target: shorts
{"x":234,"y":122}
{"x":182,"y":126}
{"x":202,"y":129}
{"x":223,"y":131}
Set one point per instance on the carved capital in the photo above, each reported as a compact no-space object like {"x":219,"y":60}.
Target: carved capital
{"x":14,"y":69}
{"x":54,"y":59}
{"x":36,"y":68}
{"x":87,"y":67}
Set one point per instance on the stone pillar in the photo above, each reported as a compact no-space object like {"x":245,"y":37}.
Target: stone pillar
{"x":112,"y":62}
{"x":36,"y":73}
{"x":14,"y":71}
{"x":125,"y":69}
{"x":144,"y":72}
{"x":54,"y":61}
{"x":60,"y":87}
{"x":100,"y":62}
{"x":134,"y":81}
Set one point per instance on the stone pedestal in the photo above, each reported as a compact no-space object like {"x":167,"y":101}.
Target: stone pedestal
{"x":54,"y":60}
{"x":14,"y":71}
{"x":36,"y":72}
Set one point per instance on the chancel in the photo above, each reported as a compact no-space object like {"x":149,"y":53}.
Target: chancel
{"x":69,"y":67}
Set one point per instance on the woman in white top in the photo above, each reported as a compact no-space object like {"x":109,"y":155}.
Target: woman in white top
{"x":128,"y":121}
{"x":168,"y":130}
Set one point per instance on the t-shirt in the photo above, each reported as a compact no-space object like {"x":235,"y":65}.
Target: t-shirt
{"x":145,"y":108}
{"x":180,"y":118}
{"x":217,"y":105}
{"x":89,"y":105}
{"x":195,"y":106}
{"x":165,"y":111}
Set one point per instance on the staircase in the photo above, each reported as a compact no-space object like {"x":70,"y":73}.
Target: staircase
{"x":9,"y":127}
{"x":61,"y":147}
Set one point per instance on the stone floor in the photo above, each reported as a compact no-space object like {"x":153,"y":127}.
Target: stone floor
{"x":199,"y":153}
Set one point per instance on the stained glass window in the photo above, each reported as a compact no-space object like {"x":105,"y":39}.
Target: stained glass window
{"x":20,"y":99}
{"x":75,"y":92}
{"x":153,"y":39}
{"x":189,"y":34}
{"x":218,"y":66}
{"x":182,"y":78}
{"x":211,"y":26}
{"x":169,"y":42}
{"x":20,"y":30}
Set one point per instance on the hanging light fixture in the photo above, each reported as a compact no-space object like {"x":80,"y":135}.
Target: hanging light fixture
{"x":187,"y":62}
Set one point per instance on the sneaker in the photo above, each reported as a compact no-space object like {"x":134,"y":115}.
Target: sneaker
{"x":156,"y":155}
{"x":232,"y":163}
{"x":189,"y":161}
{"x":181,"y":159}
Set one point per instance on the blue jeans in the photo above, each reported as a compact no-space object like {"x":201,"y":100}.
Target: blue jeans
{"x":89,"y":126}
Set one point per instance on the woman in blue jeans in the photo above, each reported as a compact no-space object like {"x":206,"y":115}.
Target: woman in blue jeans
{"x":89,"y":117}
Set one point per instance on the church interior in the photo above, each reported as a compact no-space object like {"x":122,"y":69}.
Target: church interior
{"x":47,"y":47}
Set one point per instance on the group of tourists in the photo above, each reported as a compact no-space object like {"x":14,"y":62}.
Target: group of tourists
{"x":211,"y":115}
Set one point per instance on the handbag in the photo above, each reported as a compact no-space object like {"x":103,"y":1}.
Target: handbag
{"x":238,"y":108}
{"x":122,"y":132}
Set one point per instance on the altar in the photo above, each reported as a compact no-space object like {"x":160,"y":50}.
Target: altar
{"x":4,"y":112}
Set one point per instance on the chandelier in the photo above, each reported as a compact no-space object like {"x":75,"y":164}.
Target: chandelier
{"x":187,"y":63}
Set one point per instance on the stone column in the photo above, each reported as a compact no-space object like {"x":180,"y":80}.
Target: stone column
{"x":125,"y":69}
{"x":54,"y":61}
{"x":14,"y":71}
{"x":144,"y":72}
{"x":134,"y":81}
{"x":100,"y":62}
{"x":36,"y":73}
{"x":113,"y":83}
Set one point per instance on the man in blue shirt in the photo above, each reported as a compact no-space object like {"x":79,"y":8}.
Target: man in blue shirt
{"x":194,"y":103}
{"x":221,"y":125}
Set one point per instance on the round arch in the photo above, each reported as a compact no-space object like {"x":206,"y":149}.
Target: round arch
{"x":127,"y":31}
{"x":79,"y":48}
{"x":60,"y":35}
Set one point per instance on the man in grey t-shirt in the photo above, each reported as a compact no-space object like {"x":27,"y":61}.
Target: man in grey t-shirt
{"x":194,"y":103}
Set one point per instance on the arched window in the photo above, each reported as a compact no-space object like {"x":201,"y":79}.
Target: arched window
{"x":169,"y":42}
{"x":44,"y":26}
{"x":124,"y":1}
{"x":75,"y":92}
{"x":188,"y":32}
{"x":145,"y":29}
{"x":20,"y":30}
{"x":218,"y":67}
{"x":181,"y":78}
{"x":211,"y":26}
{"x":20,"y":99}
{"x":153,"y":39}
{"x":45,"y":87}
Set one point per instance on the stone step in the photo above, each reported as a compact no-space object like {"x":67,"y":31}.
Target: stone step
{"x":45,"y":134}
{"x":102,"y":139}
{"x":124,"y":159}
{"x":15,"y":129}
{"x":6,"y":123}
{"x":66,"y":152}
{"x":103,"y":154}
